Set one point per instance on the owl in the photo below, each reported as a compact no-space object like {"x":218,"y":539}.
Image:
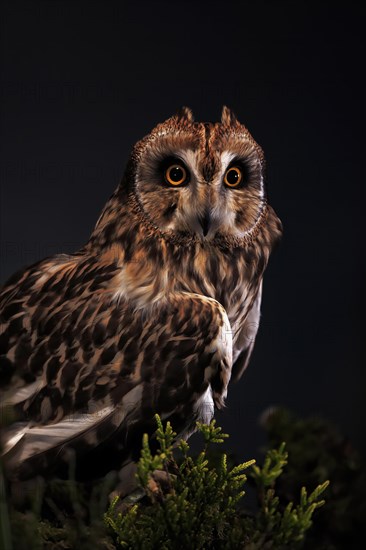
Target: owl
{"x":157,"y":313}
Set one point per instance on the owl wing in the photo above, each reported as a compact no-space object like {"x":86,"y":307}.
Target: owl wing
{"x":245,"y":340}
{"x":79,"y":367}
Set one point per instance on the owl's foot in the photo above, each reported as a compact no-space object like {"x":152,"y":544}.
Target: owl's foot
{"x":129,"y":492}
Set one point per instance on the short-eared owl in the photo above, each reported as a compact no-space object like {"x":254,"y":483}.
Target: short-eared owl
{"x":156,"y":313}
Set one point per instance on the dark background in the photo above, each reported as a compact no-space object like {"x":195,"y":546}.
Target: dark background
{"x":81,"y":83}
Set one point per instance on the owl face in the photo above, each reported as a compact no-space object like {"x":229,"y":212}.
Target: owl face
{"x":201,"y":179}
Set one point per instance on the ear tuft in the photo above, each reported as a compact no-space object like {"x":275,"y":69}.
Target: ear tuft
{"x":227,"y":117}
{"x":185,"y":114}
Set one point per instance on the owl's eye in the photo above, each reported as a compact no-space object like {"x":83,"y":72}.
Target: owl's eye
{"x":233,"y":177}
{"x":176,"y":175}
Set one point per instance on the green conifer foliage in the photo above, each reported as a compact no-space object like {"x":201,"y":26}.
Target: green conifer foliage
{"x":198,"y":505}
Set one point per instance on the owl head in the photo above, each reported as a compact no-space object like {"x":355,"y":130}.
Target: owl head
{"x":200,"y":179}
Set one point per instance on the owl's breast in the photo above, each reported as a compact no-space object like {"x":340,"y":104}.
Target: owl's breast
{"x":230,"y":277}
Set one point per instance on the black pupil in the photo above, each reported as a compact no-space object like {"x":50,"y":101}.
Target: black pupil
{"x":176,"y":173}
{"x":232,"y":177}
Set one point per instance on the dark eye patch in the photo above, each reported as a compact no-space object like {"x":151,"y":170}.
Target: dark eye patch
{"x":169,"y":161}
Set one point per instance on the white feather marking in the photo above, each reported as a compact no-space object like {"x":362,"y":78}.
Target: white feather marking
{"x":204,"y":407}
{"x":20,"y":429}
{"x":30,"y":440}
{"x":23,"y":393}
{"x":40,"y":438}
{"x":191,"y":159}
{"x":224,"y":339}
{"x":226,"y":158}
{"x":145,"y":293}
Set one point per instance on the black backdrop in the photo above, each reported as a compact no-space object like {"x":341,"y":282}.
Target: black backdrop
{"x":82,"y":81}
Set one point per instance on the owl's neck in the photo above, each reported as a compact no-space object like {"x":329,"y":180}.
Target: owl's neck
{"x":150,"y":265}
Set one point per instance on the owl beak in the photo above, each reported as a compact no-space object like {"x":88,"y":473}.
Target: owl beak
{"x":205,"y":222}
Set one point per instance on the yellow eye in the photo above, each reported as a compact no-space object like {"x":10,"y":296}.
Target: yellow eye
{"x":175,"y":175}
{"x":233,"y":177}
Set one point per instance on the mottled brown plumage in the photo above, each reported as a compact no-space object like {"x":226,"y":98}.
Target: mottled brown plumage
{"x":154,"y":314}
